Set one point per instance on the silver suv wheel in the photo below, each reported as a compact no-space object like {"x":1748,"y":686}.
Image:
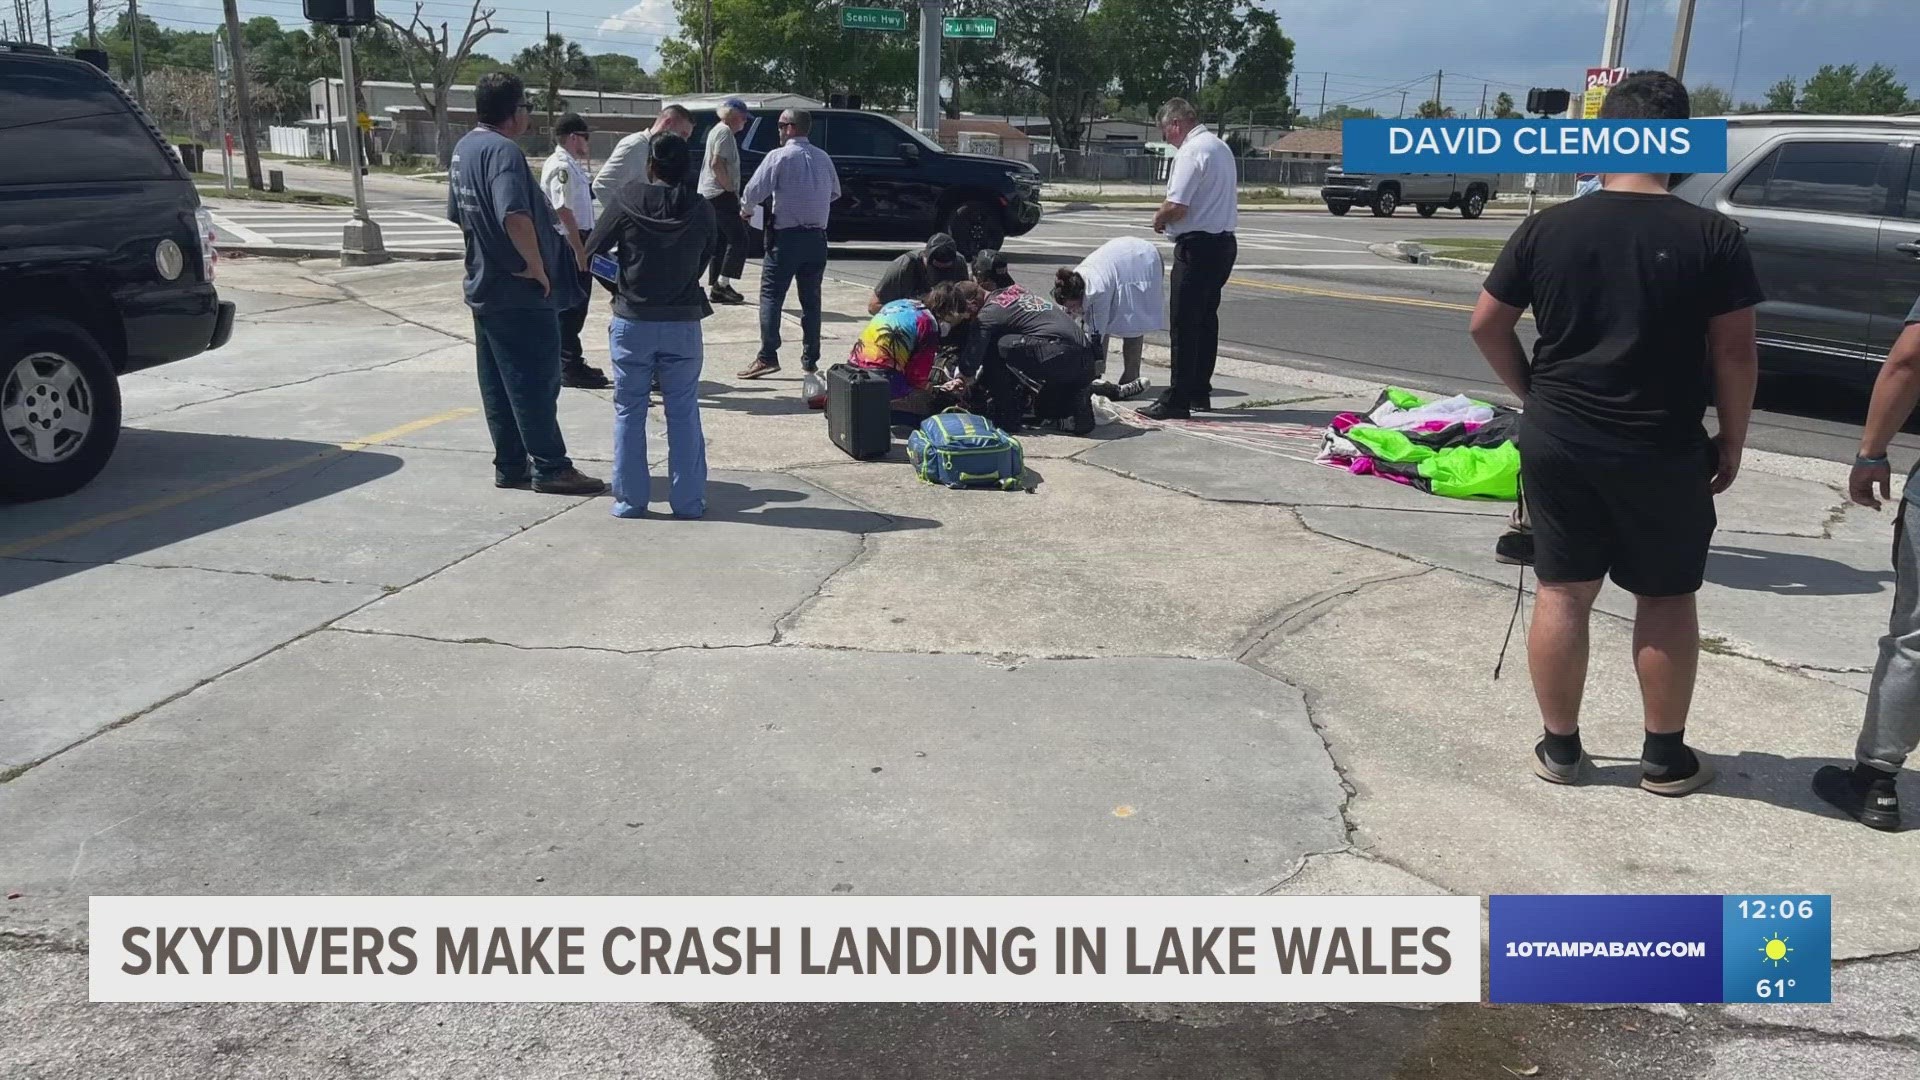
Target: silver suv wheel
{"x":46,"y":407}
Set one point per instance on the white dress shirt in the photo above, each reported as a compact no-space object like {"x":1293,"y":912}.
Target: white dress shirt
{"x":1206,"y":181}
{"x":627,"y":163}
{"x":1123,"y":279}
{"x":564,"y":179}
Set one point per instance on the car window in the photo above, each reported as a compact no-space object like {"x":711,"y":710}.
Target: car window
{"x":110,"y":146}
{"x":763,"y":136}
{"x":852,"y":135}
{"x":1830,"y":177}
{"x":1913,"y":190}
{"x":36,"y":92}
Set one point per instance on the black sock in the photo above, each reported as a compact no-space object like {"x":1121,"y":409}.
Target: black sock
{"x":1561,"y":749}
{"x":1667,"y":756}
{"x":1866,"y":775}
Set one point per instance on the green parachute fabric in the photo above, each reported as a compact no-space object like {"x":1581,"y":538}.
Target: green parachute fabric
{"x":1456,"y":463}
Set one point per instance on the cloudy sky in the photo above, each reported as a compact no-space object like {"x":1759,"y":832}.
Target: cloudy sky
{"x":1366,"y":50}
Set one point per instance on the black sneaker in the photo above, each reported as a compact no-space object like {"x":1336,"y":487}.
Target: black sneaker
{"x":1082,"y":421}
{"x":724,"y":296}
{"x":583,"y":376}
{"x":1868,"y":799}
{"x":522,"y":483}
{"x":569,"y":482}
{"x":1558,"y":772}
{"x":1514,"y":548}
{"x":1164,"y":409}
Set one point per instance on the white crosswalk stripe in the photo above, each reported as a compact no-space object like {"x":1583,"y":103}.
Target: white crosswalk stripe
{"x":315,"y":226}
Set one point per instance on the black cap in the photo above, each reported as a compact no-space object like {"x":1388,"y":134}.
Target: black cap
{"x":569,"y":124}
{"x":990,"y":265}
{"x":942,"y":250}
{"x":668,"y":150}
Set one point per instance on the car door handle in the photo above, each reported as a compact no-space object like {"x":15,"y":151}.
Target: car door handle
{"x":1911,"y":247}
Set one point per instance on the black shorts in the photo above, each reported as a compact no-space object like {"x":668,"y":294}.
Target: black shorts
{"x":1641,"y":516}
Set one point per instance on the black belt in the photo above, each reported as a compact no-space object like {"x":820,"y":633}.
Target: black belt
{"x":801,"y":228}
{"x":1203,"y":236}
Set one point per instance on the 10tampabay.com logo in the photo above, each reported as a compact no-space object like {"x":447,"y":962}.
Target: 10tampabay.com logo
{"x":1566,"y":146}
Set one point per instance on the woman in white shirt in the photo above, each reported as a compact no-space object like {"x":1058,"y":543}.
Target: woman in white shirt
{"x":1115,"y":292}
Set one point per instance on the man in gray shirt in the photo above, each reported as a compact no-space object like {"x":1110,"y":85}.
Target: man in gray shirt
{"x":720,"y":185}
{"x":1892,"y":727}
{"x":628,"y":162}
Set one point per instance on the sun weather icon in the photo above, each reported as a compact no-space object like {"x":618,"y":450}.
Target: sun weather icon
{"x":1775,"y":949}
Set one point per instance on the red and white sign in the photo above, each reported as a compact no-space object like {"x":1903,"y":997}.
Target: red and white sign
{"x":1599,"y":81}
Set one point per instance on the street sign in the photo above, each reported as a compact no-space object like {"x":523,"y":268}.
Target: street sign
{"x":970,"y":28}
{"x":861,"y":18}
{"x":366,"y":122}
{"x":1599,"y":81}
{"x":1533,"y":181}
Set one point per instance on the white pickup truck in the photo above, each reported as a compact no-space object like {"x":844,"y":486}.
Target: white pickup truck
{"x":1427,"y":192}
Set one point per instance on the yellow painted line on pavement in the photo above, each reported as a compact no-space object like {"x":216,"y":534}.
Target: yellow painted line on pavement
{"x":1341,"y":294}
{"x":81,"y":528}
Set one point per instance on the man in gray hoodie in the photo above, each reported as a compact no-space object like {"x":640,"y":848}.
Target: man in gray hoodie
{"x":661,"y":233}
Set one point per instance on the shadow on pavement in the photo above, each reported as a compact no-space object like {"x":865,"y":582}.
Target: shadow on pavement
{"x":163,"y":487}
{"x":1789,"y":574}
{"x":1785,"y":782}
{"x":728,"y":501}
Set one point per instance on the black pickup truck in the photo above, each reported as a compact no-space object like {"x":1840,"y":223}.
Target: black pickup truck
{"x":106,"y":267}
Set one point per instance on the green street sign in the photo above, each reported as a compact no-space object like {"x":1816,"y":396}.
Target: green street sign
{"x":864,"y":18}
{"x":970,"y":28}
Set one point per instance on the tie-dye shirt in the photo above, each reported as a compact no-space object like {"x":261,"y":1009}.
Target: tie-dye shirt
{"x":902,"y":340}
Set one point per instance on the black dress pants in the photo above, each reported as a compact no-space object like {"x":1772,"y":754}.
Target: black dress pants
{"x":1202,"y":262}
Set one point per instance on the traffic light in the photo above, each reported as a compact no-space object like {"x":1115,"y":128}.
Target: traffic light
{"x":340,"y":12}
{"x":1547,"y":102}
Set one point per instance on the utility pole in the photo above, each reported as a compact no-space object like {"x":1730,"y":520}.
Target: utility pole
{"x":243,"y":97}
{"x":1403,"y":105}
{"x":360,"y":242}
{"x":928,"y":103}
{"x":46,"y":16}
{"x":1437,"y":107}
{"x":1482,"y":114}
{"x":139,"y":73}
{"x":93,"y":35}
{"x":1682,"y":36}
{"x":1293,"y":120}
{"x":1615,"y":42}
{"x":1323,"y":98}
{"x":706,"y":47}
{"x":222,"y":74}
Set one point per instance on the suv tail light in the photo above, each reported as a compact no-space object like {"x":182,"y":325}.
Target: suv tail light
{"x":209,"y":254}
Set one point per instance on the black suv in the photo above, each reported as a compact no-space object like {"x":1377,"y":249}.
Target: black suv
{"x":106,"y":267}
{"x":898,"y":185}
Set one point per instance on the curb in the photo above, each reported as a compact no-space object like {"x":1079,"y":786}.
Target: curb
{"x":1070,"y":205}
{"x":292,"y":251}
{"x":1407,"y":251}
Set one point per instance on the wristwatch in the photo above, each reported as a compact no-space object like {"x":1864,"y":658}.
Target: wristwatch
{"x":1862,"y":461}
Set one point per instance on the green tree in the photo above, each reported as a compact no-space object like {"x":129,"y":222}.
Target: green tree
{"x":1780,"y":96}
{"x":1503,"y":107}
{"x":622,"y":73}
{"x":1174,"y":50}
{"x":1710,"y":100}
{"x":1256,"y":83}
{"x":1336,"y":113}
{"x":795,"y":45}
{"x":553,"y":64}
{"x":1433,"y":110}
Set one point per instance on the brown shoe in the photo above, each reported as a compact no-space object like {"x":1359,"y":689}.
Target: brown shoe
{"x":569,"y":482}
{"x":760,"y":366}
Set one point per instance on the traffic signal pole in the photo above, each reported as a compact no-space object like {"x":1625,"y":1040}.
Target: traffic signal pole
{"x":928,"y":104}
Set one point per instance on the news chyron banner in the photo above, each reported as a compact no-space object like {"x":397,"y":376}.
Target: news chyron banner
{"x":1619,"y":949}
{"x":1536,"y":146}
{"x":786,"y":948}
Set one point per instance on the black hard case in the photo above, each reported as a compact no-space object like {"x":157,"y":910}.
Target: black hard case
{"x":858,"y":419}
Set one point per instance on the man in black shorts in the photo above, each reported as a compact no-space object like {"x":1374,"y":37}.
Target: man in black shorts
{"x":1644,"y":305}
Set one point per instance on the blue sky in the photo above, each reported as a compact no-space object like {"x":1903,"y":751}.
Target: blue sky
{"x":1363,"y":47}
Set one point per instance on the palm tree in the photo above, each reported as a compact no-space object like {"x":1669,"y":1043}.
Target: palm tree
{"x":553,"y":63}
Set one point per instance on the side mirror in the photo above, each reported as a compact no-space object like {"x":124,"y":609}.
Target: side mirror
{"x":909,"y":151}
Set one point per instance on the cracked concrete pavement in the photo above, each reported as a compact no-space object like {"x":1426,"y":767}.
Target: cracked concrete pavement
{"x":292,"y":641}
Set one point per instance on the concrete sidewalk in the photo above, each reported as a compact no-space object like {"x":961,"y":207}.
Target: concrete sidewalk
{"x":293,"y":641}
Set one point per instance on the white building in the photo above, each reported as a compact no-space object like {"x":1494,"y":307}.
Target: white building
{"x":383,"y":97}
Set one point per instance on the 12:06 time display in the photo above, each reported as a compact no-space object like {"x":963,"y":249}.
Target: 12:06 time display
{"x":1783,"y":908}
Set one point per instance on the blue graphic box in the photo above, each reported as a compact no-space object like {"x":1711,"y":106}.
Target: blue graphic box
{"x":1523,"y":146}
{"x":1593,"y":949}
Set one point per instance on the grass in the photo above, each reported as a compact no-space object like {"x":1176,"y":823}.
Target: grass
{"x":1471,"y":248}
{"x":213,"y":186}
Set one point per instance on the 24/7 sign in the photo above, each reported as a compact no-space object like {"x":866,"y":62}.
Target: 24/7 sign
{"x":860,"y":18}
{"x":970,"y":28}
{"x":1599,"y":81}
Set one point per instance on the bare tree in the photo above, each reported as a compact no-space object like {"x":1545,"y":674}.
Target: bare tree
{"x":433,"y":61}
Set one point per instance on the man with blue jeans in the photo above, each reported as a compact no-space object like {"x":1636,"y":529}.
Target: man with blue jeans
{"x":520,"y":275}
{"x":662,"y":235}
{"x":1892,"y":727}
{"x":800,"y":180}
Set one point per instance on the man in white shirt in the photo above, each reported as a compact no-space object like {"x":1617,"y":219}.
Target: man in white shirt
{"x":1200,"y":213}
{"x":569,"y":191}
{"x":628,"y":162}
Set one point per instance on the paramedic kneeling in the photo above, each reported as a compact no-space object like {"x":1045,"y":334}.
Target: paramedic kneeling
{"x":903,"y":340}
{"x":1618,"y":470}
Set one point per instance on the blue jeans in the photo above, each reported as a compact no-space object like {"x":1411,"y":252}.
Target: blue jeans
{"x":793,"y":255}
{"x":671,"y":350}
{"x":518,"y":362}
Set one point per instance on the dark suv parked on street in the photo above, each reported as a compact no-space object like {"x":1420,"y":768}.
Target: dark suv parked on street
{"x":106,"y":267}
{"x":899,"y":185}
{"x":1830,"y":206}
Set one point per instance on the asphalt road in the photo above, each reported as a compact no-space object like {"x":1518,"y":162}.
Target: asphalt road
{"x":1306,"y":291}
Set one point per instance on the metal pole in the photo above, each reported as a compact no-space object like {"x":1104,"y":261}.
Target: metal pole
{"x":139,"y":73}
{"x":333,"y":151}
{"x":1615,"y":42}
{"x":242,"y":96}
{"x":93,"y":35}
{"x":1682,"y":36}
{"x":1437,"y":107}
{"x":1482,"y":115}
{"x":928,"y":105}
{"x":222,"y":65}
{"x":1403,"y":105}
{"x":360,"y":243}
{"x":46,"y":14}
{"x":1323,"y":99}
{"x":706,"y":48}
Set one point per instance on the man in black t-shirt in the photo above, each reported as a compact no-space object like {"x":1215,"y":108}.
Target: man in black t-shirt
{"x":913,"y":275}
{"x":1644,"y":305}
